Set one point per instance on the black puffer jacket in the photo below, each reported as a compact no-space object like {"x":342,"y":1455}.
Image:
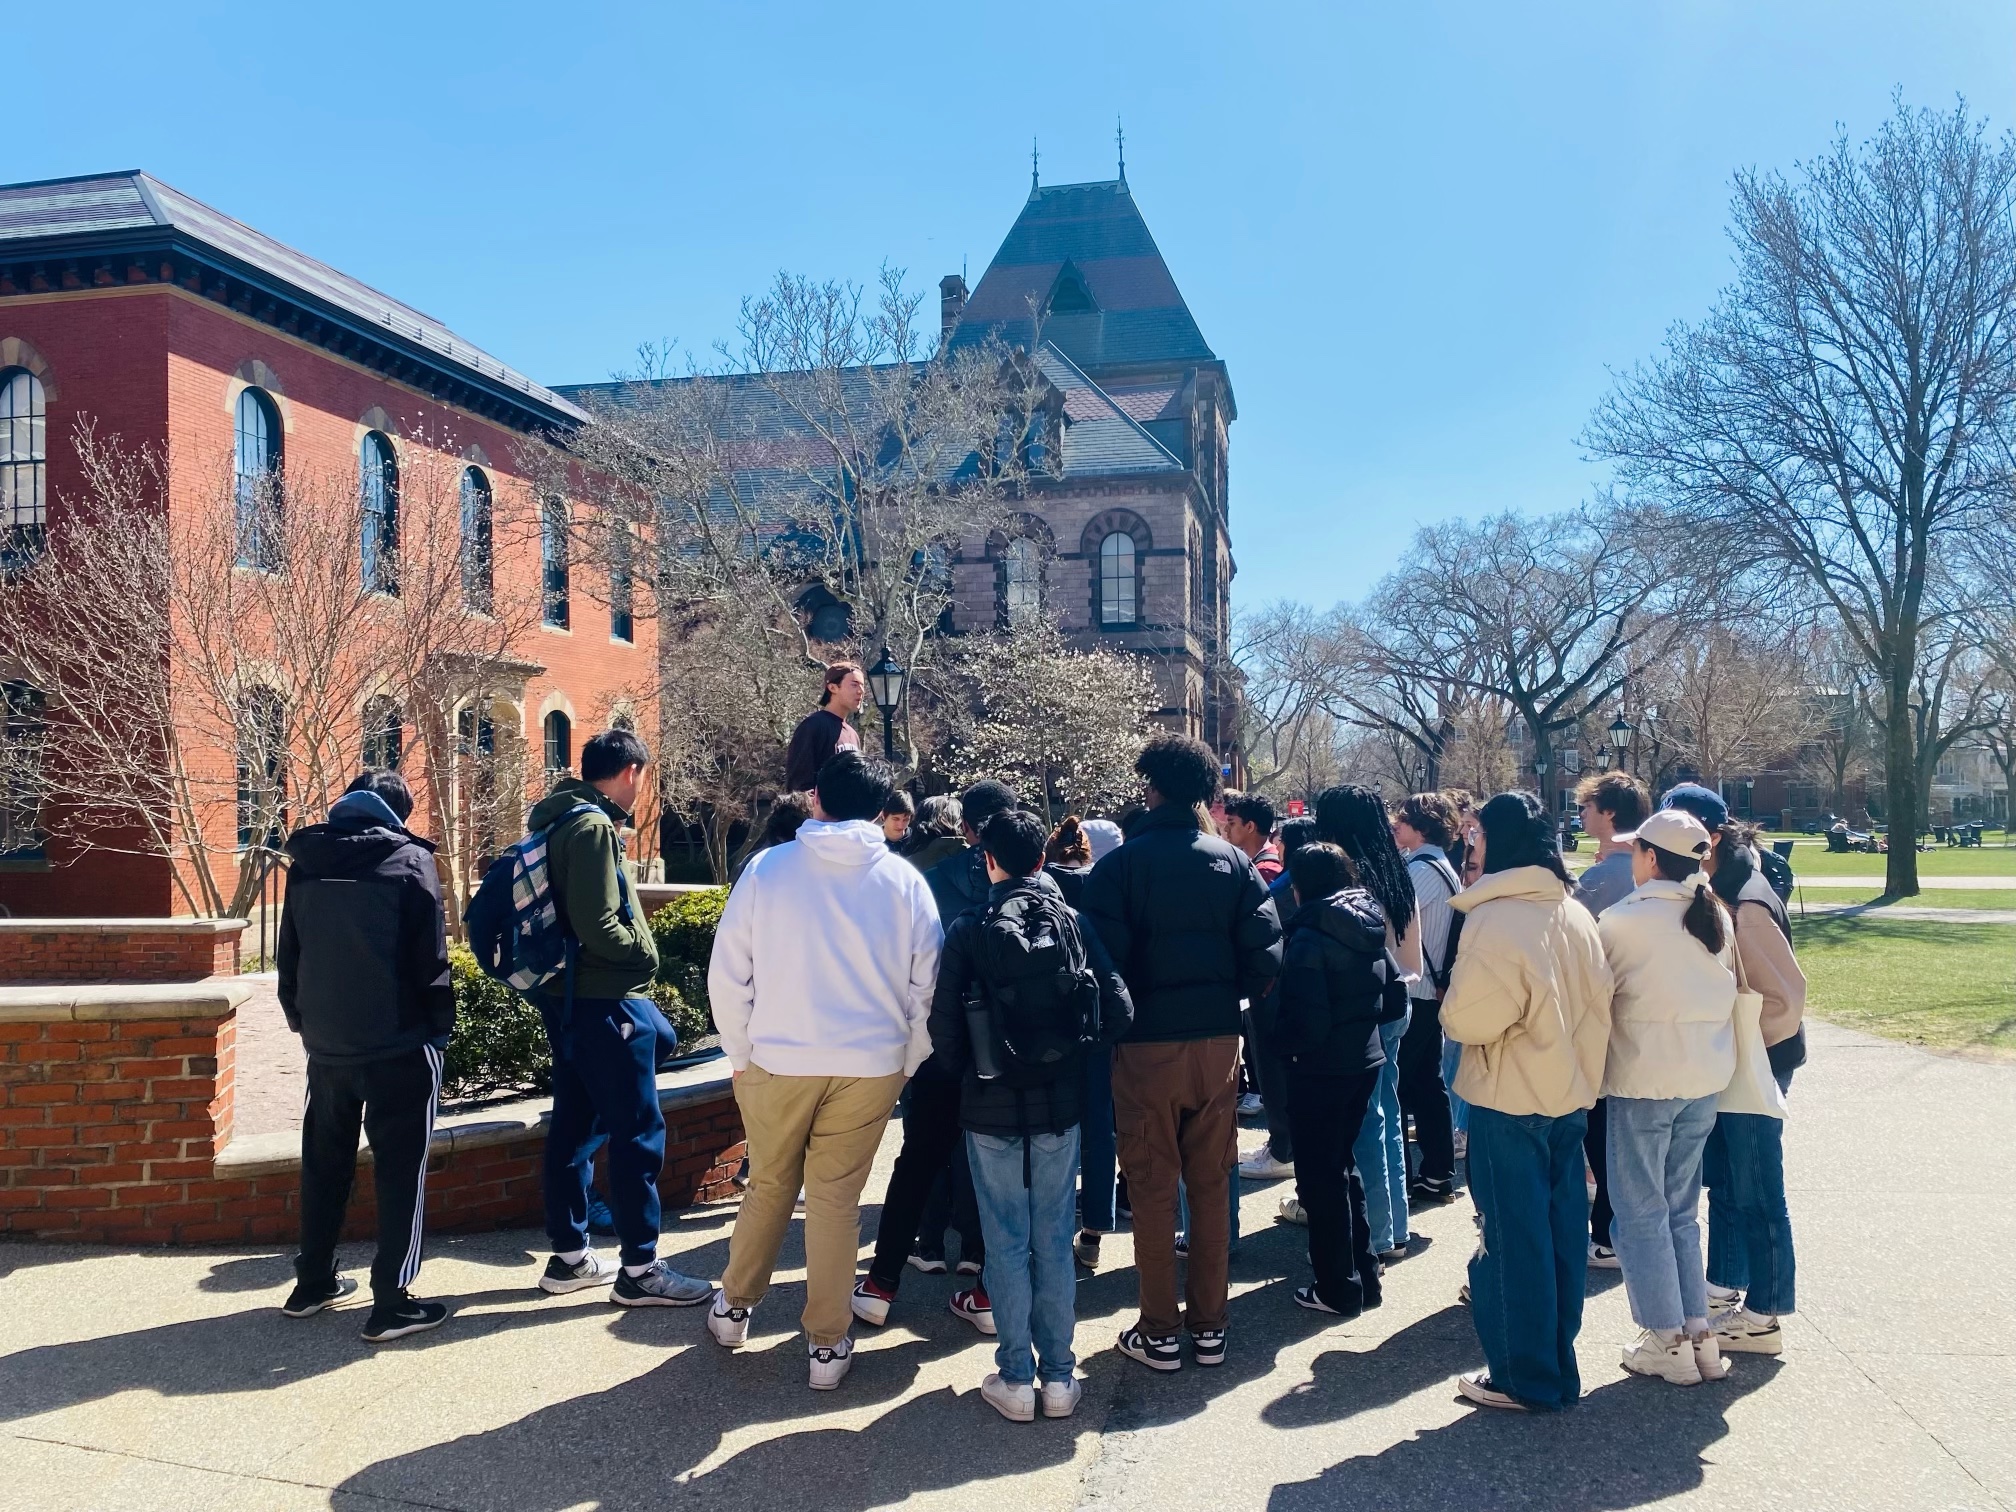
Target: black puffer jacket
{"x":959,"y":883}
{"x":1070,"y":881}
{"x":1332,"y":980}
{"x":1188,"y":922}
{"x":363,"y":952}
{"x":1052,"y":1106}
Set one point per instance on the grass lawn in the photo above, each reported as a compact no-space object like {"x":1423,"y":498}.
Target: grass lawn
{"x":1843,"y":890}
{"x":1811,"y":858}
{"x":1948,"y":986}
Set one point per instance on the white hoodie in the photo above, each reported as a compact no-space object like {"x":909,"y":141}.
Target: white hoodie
{"x":825,"y":958}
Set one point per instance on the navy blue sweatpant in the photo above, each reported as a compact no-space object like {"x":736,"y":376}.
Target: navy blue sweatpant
{"x":605,"y":1081}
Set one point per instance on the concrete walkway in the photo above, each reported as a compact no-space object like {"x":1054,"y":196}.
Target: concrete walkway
{"x":1909,"y":912}
{"x":169,"y":1381}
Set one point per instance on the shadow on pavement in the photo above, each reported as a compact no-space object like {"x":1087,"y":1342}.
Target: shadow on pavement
{"x":1628,"y":1444}
{"x":1347,"y":1382}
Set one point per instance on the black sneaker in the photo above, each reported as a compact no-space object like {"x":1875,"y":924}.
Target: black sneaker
{"x":1431,"y":1192}
{"x":1209,"y":1346}
{"x":1156,"y":1354}
{"x":397,"y":1315}
{"x":305,"y":1301}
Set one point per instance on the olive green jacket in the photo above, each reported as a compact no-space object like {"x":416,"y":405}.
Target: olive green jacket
{"x":584,"y":859}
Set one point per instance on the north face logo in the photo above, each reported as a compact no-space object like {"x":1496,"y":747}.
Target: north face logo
{"x":1221,"y":864}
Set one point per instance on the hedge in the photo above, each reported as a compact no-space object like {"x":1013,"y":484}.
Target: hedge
{"x":499,"y":1043}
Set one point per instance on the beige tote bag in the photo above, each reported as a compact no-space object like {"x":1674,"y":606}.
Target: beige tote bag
{"x":1753,"y":1089}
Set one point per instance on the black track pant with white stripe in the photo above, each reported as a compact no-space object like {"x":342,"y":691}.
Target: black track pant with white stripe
{"x":393,"y":1102}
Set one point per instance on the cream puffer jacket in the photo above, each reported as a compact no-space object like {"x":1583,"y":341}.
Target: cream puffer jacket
{"x":1529,"y":999}
{"x":1673,"y":1016}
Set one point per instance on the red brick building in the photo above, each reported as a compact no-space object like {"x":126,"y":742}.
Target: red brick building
{"x":171,"y":326}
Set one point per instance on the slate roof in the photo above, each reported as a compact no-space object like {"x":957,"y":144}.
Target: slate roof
{"x":121,"y":205}
{"x":1098,"y":229}
{"x":1100,"y":437}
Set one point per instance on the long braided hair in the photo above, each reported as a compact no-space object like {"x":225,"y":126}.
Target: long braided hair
{"x":1354,"y":820}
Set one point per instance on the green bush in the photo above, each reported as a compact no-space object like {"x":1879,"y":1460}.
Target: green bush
{"x":684,"y":930}
{"x":499,"y":1044}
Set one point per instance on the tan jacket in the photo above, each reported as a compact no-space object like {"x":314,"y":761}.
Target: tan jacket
{"x":1529,"y":999}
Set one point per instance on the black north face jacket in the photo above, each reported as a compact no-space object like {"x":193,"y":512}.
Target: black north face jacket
{"x":363,"y":952}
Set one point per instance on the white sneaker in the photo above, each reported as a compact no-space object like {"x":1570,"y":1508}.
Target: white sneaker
{"x":1708,"y":1357}
{"x":1742,"y":1331}
{"x":1262,"y":1166}
{"x":1602,"y":1257}
{"x":1017,"y":1403}
{"x":1462,"y":1143}
{"x":1292,"y":1211}
{"x":729,"y":1325}
{"x":1060,"y":1398}
{"x":830,"y":1363}
{"x":1720,"y":1301}
{"x":591,"y":1269}
{"x":1652,"y":1355}
{"x":1250,"y":1105}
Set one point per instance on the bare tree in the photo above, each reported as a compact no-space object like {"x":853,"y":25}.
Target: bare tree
{"x":1843,"y":412}
{"x":1733,"y":697}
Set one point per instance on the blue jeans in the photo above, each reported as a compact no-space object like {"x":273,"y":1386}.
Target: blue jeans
{"x":1654,"y":1148}
{"x":1381,"y":1151}
{"x":1749,"y":1226}
{"x":1532,"y":1257}
{"x":1452,"y":1062}
{"x":1027,"y":1221}
{"x":1098,"y":1146}
{"x":604,"y":1083}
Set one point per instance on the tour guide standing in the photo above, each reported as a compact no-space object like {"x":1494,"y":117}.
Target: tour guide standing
{"x":1187,"y":920}
{"x":605,"y":1061}
{"x":821,"y":983}
{"x":827,"y":729}
{"x":363,"y":961}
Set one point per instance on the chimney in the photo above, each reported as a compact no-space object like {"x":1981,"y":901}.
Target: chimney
{"x":951,"y":304}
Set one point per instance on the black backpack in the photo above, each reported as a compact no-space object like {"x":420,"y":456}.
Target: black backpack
{"x":1038,"y":998}
{"x":1778,"y":872}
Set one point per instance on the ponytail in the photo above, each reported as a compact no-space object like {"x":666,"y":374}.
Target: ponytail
{"x":1704,"y":918}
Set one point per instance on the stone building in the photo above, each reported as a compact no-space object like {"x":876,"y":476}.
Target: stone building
{"x":1131,"y":546}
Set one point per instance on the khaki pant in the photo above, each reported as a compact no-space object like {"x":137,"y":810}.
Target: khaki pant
{"x":821,"y":1131}
{"x":1176,"y":1111}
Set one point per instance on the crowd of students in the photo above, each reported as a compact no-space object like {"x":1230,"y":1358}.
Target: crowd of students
{"x":1064,"y":1016}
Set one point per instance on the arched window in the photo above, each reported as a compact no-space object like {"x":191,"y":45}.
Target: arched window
{"x":21,"y":735}
{"x":476,"y":537}
{"x":1118,"y":595}
{"x":1021,"y":579}
{"x":553,"y":562}
{"x":378,"y":494}
{"x":24,"y":461}
{"x":622,"y":585}
{"x":559,"y":732}
{"x":384,"y":734}
{"x":262,"y":768}
{"x":257,"y":472}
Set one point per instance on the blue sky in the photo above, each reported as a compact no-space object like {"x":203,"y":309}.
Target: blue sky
{"x":1417,"y":233}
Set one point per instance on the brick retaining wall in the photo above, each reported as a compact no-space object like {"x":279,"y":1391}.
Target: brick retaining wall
{"x":115,"y":1128}
{"x":118,"y":950}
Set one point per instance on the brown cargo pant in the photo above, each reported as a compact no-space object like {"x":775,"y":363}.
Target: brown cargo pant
{"x":1175,"y":1109}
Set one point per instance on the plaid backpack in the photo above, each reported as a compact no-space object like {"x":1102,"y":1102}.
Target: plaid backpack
{"x":514,"y":928}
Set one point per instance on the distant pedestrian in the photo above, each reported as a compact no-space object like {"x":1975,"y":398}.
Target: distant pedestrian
{"x":604,"y":1031}
{"x":1354,"y":819}
{"x":1613,"y":805}
{"x":827,"y":729}
{"x":1530,"y":1003}
{"x":1022,"y":991}
{"x":1190,"y":925}
{"x":1424,"y":826}
{"x":1334,"y":981}
{"x":363,"y":966}
{"x":1672,"y":1053}
{"x":820,"y":981}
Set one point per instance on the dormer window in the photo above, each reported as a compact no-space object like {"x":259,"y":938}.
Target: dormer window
{"x":1069,"y":294}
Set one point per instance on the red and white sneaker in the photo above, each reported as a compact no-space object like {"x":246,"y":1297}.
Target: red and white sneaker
{"x":975,"y":1308}
{"x":872,"y":1301}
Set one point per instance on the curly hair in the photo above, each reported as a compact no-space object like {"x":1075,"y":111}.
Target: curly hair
{"x":1068,"y":844}
{"x":1431,"y":816}
{"x":1181,"y":769}
{"x":1354,"y":820}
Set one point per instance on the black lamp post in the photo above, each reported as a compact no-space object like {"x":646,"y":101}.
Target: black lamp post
{"x":1620,"y":734}
{"x":885,"y":686}
{"x":1603,"y":759}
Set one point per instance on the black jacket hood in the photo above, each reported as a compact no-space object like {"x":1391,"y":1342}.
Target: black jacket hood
{"x":1353,"y":919}
{"x":345,"y":847}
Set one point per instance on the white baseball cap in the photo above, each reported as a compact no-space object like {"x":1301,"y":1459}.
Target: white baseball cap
{"x":1676,"y":832}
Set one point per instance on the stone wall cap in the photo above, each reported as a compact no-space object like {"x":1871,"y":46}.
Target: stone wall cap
{"x":278,"y":1153}
{"x":66,"y":1002}
{"x":123,"y":926}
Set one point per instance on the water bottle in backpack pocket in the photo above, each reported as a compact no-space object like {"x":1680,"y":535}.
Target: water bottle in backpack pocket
{"x":1037,"y":1001}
